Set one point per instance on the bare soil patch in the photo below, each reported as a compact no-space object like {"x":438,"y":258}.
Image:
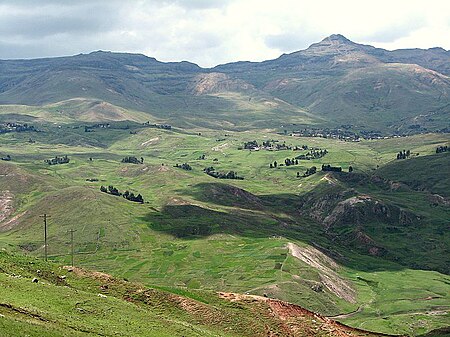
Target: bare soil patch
{"x":327,"y":269}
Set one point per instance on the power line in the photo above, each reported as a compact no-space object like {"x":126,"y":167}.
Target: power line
{"x":45,"y":216}
{"x":71,"y":243}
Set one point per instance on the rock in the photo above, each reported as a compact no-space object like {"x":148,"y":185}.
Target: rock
{"x":101,"y":295}
{"x":317,"y":288}
{"x":62,"y":277}
{"x":35,"y":280}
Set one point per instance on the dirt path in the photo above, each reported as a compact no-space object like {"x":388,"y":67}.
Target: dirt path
{"x":220,"y":147}
{"x":150,"y":141}
{"x":6,"y":202}
{"x":347,"y":315}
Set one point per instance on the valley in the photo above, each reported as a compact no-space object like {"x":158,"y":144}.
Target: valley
{"x":322,"y":241}
{"x":306,"y":195}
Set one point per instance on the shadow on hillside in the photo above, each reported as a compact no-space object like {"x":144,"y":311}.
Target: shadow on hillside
{"x":231,"y":196}
{"x":230,"y":210}
{"x":194,"y":222}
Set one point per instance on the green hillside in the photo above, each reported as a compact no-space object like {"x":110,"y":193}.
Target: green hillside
{"x":269,"y":234}
{"x":210,"y":195}
{"x":83,"y":303}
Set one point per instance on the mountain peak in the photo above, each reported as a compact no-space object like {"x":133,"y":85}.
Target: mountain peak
{"x":338,"y":38}
{"x":330,"y":44}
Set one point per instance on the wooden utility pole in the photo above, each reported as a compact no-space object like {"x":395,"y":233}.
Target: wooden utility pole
{"x":71,"y":242}
{"x":45,"y":216}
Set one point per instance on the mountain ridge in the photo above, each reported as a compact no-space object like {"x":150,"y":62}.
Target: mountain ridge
{"x":377,"y":86}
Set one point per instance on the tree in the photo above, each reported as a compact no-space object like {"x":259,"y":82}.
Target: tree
{"x":275,"y":164}
{"x":103,"y":189}
{"x":350,"y":169}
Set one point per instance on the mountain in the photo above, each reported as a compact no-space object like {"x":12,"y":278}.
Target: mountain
{"x":333,"y":82}
{"x":343,"y":82}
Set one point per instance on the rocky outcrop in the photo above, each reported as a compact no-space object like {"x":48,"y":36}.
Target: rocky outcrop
{"x":364,"y":209}
{"x":213,"y":83}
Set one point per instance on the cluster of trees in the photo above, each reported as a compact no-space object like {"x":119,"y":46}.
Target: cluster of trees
{"x":158,"y":126}
{"x":441,"y":149}
{"x":332,"y":168}
{"x":312,"y":170}
{"x":299,"y":148}
{"x":57,"y":160}
{"x":127,"y":194}
{"x":313,"y":154}
{"x":252,"y":145}
{"x":16,"y":127}
{"x":404,"y":154}
{"x":282,"y":146}
{"x":133,"y":160}
{"x":267,"y":145}
{"x":202,"y":157}
{"x":289,"y":162}
{"x":6,"y":158}
{"x":184,"y":166}
{"x":89,"y":128}
{"x":222,"y":175}
{"x":336,"y":133}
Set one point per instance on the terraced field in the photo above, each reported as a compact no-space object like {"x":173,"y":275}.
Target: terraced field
{"x":369,"y":248}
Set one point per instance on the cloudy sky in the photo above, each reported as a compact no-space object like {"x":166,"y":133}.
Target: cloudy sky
{"x":211,"y":32}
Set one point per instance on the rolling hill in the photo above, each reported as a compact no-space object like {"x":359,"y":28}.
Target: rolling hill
{"x":368,"y":248}
{"x":290,"y":249}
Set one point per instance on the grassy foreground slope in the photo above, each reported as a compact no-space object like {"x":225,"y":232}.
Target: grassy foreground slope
{"x":253,"y":235}
{"x":72,"y":301}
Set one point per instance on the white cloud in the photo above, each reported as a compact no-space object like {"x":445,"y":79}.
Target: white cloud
{"x":210,"y":32}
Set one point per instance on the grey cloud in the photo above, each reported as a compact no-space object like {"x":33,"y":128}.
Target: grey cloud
{"x":39,"y":22}
{"x":399,"y":30}
{"x":203,"y":31}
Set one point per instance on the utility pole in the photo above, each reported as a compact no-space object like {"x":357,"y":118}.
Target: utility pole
{"x":71,"y":241}
{"x":45,"y":216}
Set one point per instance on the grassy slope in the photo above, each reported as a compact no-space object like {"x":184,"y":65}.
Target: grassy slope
{"x":428,"y":173}
{"x":143,"y":242}
{"x":82,"y":303}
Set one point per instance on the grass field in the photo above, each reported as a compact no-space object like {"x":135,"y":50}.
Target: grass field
{"x":82,"y":303}
{"x":195,"y":232}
